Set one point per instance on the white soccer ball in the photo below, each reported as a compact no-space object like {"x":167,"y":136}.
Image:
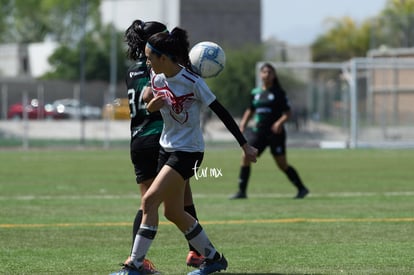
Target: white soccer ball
{"x":207,"y":59}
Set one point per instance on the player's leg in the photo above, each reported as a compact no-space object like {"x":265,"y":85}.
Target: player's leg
{"x":144,"y":157}
{"x":168,"y":186}
{"x":149,"y":224}
{"x":244,"y":176}
{"x":144,"y":185}
{"x":194,"y":233}
{"x":148,"y":266}
{"x":194,"y":258}
{"x":278,"y":151}
{"x":180,"y":165}
{"x":260,"y":143}
{"x":190,"y":227}
{"x":147,"y":230}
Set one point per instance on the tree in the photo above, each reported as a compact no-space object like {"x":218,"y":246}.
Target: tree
{"x":26,"y":21}
{"x":66,"y":59}
{"x":345,"y":40}
{"x":232,"y":87}
{"x":395,"y":27}
{"x":5,"y":8}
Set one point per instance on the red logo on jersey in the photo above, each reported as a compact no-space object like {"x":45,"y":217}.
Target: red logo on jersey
{"x":178,"y":104}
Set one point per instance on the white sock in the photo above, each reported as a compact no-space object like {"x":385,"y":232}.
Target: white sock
{"x":197,"y":237}
{"x":142,"y":243}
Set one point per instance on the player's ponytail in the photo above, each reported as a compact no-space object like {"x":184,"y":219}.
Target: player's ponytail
{"x":175,"y":45}
{"x":182,"y":46}
{"x":137,"y":34}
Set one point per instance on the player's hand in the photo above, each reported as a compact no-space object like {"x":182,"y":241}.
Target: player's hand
{"x":156,"y":103}
{"x":277,"y":127}
{"x":147,"y":95}
{"x":250,"y":153}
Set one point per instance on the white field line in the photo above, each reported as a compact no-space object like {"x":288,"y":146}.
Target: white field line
{"x":201,"y":196}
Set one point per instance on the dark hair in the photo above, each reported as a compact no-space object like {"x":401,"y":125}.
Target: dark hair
{"x":137,"y":34}
{"x":175,"y":45}
{"x":276,"y":83}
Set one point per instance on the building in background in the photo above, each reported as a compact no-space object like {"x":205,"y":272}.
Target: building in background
{"x":231,"y":23}
{"x":227,"y":22}
{"x":14,"y":61}
{"x":123,"y":12}
{"x":25,"y":60}
{"x":390,"y":86}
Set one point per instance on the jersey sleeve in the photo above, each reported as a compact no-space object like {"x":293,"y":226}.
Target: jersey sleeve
{"x":285,"y":106}
{"x":203,"y":92}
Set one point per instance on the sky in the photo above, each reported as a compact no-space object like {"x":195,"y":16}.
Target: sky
{"x":299,"y":22}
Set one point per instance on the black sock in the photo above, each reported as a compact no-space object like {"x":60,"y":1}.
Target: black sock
{"x":294,"y":177}
{"x":137,"y":224}
{"x":244,"y":178}
{"x":190,"y":209}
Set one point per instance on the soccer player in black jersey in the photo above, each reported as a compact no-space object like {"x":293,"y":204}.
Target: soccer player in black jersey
{"x":271,"y":109}
{"x":146,"y":127}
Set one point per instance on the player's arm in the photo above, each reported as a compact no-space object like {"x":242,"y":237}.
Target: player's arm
{"x":247,"y":115}
{"x":156,"y":103}
{"x":249,"y":151}
{"x":245,"y":119}
{"x":147,"y":94}
{"x":277,"y":127}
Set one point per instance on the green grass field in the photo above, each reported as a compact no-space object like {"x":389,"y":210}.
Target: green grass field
{"x":70,"y":212}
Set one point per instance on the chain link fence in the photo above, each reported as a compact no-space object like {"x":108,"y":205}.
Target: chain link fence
{"x":42,"y":123}
{"x":366,"y":102}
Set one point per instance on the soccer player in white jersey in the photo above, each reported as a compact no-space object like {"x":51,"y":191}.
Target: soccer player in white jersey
{"x":179,"y":95}
{"x":146,"y":129}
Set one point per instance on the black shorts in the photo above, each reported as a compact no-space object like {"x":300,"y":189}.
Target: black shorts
{"x":260,"y":140}
{"x":185,"y":163}
{"x":144,"y":156}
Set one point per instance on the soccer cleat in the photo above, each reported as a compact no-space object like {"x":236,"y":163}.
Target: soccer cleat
{"x":128,"y":268}
{"x":194,"y":259}
{"x":211,"y":266}
{"x":149,"y":267}
{"x":239,"y":195}
{"x":302,"y":193}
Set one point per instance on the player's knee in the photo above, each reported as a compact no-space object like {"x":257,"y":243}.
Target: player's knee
{"x":172,"y":215}
{"x":150,"y":203}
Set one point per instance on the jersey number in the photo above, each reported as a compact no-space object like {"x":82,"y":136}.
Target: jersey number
{"x":133,"y":105}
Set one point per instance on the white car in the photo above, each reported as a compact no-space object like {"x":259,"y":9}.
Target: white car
{"x":74,"y":109}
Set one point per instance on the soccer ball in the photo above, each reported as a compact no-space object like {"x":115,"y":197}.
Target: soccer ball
{"x":207,"y":59}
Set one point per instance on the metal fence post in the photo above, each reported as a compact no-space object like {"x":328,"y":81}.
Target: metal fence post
{"x":4,"y":101}
{"x":353,"y":142}
{"x":25,"y":136}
